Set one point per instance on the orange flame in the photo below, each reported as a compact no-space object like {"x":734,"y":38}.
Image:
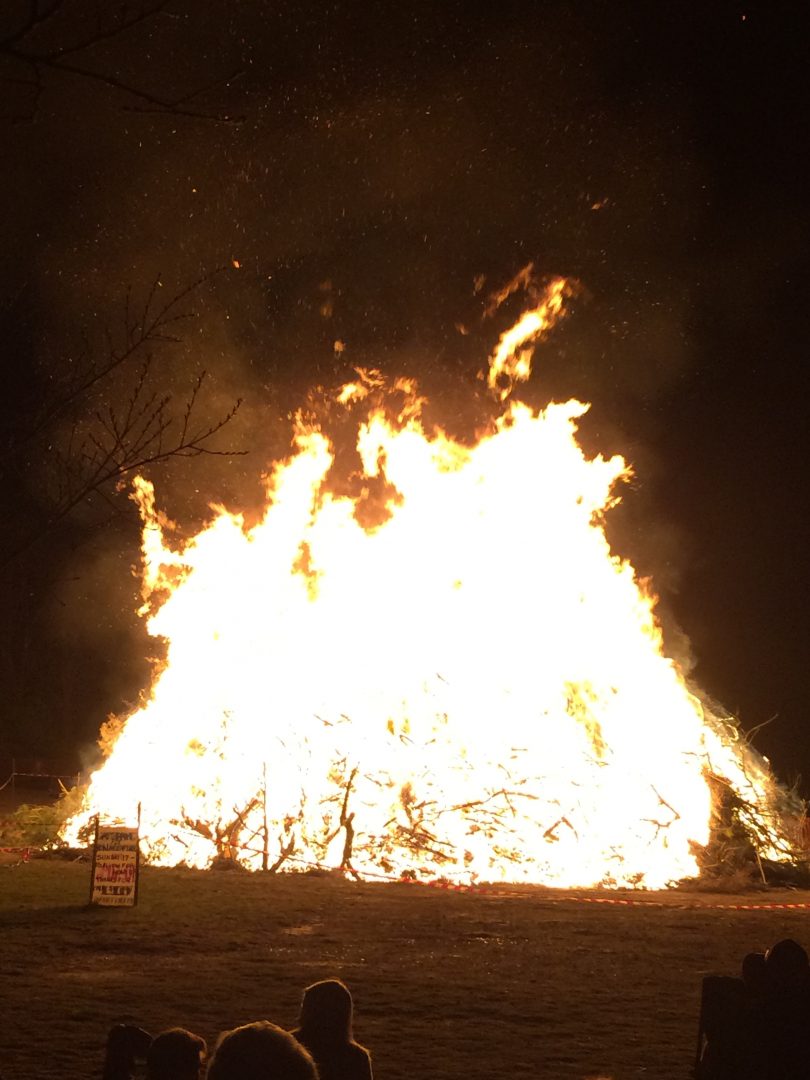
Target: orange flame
{"x":511,"y":361}
{"x":472,"y":687}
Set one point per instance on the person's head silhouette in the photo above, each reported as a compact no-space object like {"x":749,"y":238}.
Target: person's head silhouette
{"x":175,"y":1054}
{"x":786,"y":966}
{"x":326,"y":1010}
{"x":260,"y":1051}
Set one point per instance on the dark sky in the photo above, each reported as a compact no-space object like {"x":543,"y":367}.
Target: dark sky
{"x":655,"y":152}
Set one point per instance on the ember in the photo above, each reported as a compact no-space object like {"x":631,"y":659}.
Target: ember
{"x":469,"y":684}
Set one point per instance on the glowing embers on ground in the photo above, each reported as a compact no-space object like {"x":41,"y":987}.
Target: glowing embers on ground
{"x":473,"y":687}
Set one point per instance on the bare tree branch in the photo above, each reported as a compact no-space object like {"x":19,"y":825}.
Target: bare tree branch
{"x":20,"y":48}
{"x":138,"y":334}
{"x":125,"y":23}
{"x":91,"y":447}
{"x":36,"y":16}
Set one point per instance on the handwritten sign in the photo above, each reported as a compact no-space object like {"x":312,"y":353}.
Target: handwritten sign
{"x":114,"y":878}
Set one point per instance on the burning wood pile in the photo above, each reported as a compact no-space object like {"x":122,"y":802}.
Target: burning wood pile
{"x":454,"y":678}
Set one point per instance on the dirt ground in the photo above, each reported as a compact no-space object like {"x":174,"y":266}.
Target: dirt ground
{"x":510,"y":982}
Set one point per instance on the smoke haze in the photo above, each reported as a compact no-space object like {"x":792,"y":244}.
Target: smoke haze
{"x":381,"y":165}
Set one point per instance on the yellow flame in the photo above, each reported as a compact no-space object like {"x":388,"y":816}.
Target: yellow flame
{"x":511,"y":361}
{"x":472,"y":687}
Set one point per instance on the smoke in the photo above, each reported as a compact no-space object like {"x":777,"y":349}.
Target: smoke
{"x":367,"y":191}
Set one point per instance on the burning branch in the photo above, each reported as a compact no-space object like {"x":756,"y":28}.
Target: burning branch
{"x":662,"y":825}
{"x":415,"y":836}
{"x":286,"y":851}
{"x":346,"y":822}
{"x":225,"y":835}
{"x":551,"y":832}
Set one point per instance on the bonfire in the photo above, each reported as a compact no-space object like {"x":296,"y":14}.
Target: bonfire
{"x":445,"y":672}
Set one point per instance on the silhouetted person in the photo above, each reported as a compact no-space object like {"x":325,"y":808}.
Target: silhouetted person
{"x":126,"y":1045}
{"x":175,"y":1054}
{"x":787,"y":967}
{"x":725,"y":1054}
{"x":758,"y":1027}
{"x":260,"y":1051}
{"x":786,"y":1012}
{"x":325,"y":1029}
{"x":754,"y":974}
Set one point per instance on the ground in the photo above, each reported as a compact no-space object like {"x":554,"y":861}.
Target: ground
{"x":510,"y":982}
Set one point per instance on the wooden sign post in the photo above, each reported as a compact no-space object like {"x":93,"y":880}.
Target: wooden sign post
{"x":116,"y":863}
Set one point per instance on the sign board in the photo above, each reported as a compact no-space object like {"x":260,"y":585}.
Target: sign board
{"x":116,"y":861}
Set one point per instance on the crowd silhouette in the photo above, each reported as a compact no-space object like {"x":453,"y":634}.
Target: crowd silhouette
{"x":757,"y":1026}
{"x":321,"y":1047}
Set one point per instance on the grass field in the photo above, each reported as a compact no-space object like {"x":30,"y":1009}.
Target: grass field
{"x":519,"y":982}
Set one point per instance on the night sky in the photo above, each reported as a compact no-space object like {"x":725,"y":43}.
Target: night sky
{"x":381,"y":160}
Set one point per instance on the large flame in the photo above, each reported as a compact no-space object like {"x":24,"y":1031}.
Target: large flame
{"x":470,"y":684}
